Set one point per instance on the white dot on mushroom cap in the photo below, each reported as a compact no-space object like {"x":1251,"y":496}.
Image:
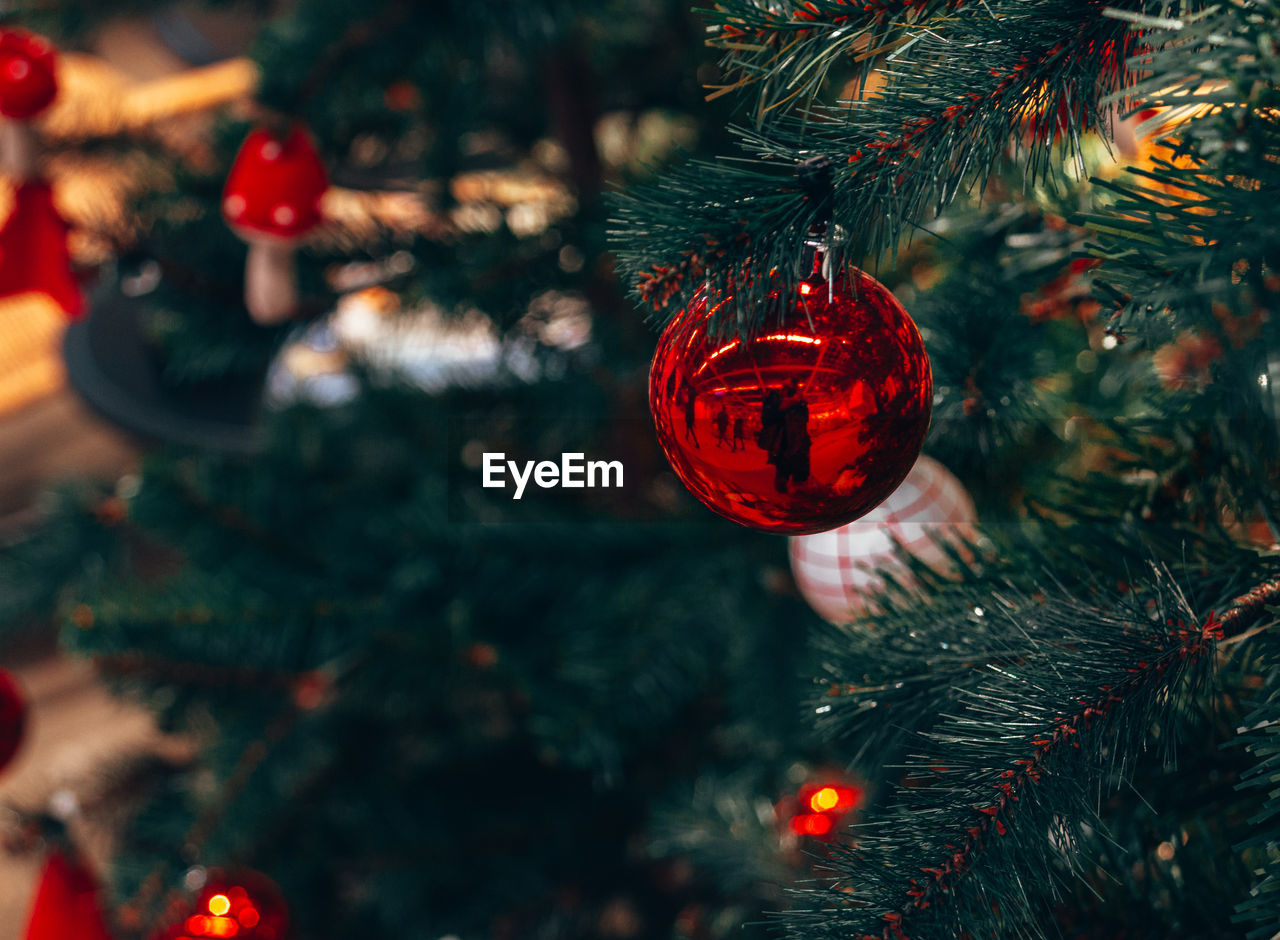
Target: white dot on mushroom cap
{"x":234,"y":206}
{"x":271,"y":151}
{"x":18,"y":69}
{"x":283,"y":215}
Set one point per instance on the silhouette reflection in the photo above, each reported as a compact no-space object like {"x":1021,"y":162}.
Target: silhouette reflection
{"x":784,"y":434}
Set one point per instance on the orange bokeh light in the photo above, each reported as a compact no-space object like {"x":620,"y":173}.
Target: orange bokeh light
{"x":811,"y":824}
{"x":825,"y":799}
{"x":221,"y":927}
{"x":230,"y":911}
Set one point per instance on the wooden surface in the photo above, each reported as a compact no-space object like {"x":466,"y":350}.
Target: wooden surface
{"x":46,"y":432}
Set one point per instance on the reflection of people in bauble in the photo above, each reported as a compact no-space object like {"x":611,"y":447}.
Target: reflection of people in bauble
{"x":770,"y":434}
{"x":690,"y":398}
{"x":721,"y":422}
{"x":739,"y":433}
{"x":790,"y":453}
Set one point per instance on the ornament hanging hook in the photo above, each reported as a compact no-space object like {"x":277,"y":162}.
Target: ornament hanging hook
{"x":816,"y":176}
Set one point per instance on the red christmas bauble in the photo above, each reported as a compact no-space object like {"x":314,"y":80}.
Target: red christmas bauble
{"x":240,"y":904}
{"x":28,"y":74}
{"x":809,"y":425}
{"x":13,"y":717}
{"x":275,"y":185}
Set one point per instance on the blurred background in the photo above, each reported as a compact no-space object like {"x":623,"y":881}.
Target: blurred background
{"x":316,"y":648}
{"x":267,"y":622}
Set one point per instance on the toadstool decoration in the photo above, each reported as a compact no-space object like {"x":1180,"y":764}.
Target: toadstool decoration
{"x":271,"y":200}
{"x":28,"y":85}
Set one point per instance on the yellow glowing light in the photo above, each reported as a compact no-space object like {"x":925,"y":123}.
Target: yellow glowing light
{"x":806,"y":289}
{"x":824,"y":799}
{"x":219,"y":904}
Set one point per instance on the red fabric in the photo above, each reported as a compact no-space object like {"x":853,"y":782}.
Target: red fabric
{"x":275,"y":184}
{"x":66,"y":906}
{"x":28,"y":73}
{"x":33,"y":250}
{"x":13,"y":717}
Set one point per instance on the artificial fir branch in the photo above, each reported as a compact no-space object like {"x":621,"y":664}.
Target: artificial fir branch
{"x":1189,"y":230}
{"x":1247,"y":609}
{"x":941,"y":125}
{"x":962,"y":853}
{"x":135,"y":665}
{"x":1260,"y":912}
{"x":787,"y":51}
{"x":993,"y":819}
{"x":1190,"y":246}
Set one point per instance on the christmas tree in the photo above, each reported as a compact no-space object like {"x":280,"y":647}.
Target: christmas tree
{"x":405,"y":704}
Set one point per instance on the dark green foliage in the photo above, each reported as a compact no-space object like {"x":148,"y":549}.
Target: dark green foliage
{"x":1191,"y":249}
{"x":39,"y":564}
{"x":938,"y":129}
{"x":952,"y":701}
{"x":992,"y":356}
{"x":998,"y":794}
{"x":486,"y":705}
{"x":1259,"y":914}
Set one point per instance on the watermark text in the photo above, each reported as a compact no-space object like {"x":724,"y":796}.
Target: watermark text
{"x":574,"y":471}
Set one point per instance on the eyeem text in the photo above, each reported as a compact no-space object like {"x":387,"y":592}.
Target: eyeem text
{"x":573,"y":471}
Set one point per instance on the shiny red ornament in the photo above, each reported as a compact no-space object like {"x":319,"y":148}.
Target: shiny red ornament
{"x":13,"y":717}
{"x":33,"y":250}
{"x":240,"y":904}
{"x":275,"y":185}
{"x":67,"y":905}
{"x":809,"y":425}
{"x":28,"y":74}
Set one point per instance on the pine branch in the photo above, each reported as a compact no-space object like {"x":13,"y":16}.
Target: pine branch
{"x":1190,"y":247}
{"x":985,"y":77}
{"x":1260,"y":912}
{"x":784,"y":52}
{"x":1021,"y":757}
{"x":1180,"y":234}
{"x":894,"y":671}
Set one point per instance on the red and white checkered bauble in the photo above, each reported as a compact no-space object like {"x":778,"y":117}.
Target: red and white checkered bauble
{"x":836,"y":570}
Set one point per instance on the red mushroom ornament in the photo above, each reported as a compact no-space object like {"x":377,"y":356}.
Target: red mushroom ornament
{"x":28,"y":85}
{"x":271,"y":200}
